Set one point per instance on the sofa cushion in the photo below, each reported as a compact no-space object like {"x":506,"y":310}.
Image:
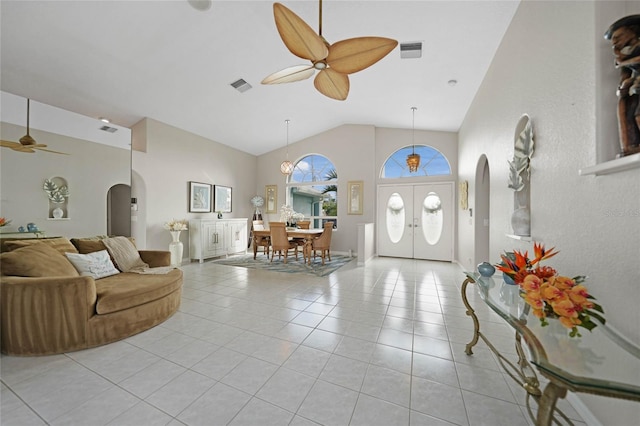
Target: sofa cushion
{"x":63,"y":245}
{"x":126,"y":290}
{"x":90,"y":245}
{"x":36,"y":260}
{"x":96,"y":264}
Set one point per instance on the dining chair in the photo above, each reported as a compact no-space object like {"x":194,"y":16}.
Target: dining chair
{"x":303,"y":224}
{"x":323,"y":242}
{"x":258,"y":225}
{"x":280,"y":241}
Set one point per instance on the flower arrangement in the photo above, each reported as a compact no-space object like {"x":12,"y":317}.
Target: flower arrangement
{"x":549,"y":294}
{"x":176,"y":225}
{"x":288,"y":215}
{"x":4,"y":222}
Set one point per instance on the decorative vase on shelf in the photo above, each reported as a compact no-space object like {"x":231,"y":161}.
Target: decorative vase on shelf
{"x":486,"y":269}
{"x":521,"y":222}
{"x":507,"y":279}
{"x":175,"y":248}
{"x":57,"y":213}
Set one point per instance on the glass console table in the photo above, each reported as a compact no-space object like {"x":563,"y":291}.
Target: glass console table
{"x":600,"y":362}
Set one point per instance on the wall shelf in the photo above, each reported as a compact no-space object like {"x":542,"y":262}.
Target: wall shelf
{"x":61,"y":218}
{"x":613,"y":166}
{"x":520,"y":237}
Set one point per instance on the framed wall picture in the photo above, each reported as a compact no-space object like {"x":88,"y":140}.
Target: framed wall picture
{"x":354,"y":192}
{"x":199,"y":197}
{"x":222,"y":199}
{"x":271,"y":199}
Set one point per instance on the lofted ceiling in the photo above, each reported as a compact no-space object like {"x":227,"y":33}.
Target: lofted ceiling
{"x":171,"y":62}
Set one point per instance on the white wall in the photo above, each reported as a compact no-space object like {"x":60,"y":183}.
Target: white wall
{"x":164,"y":160}
{"x":545,"y":67}
{"x":90,"y":170}
{"x":358,"y":153}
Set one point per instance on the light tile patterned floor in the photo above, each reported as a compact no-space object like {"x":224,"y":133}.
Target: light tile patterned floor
{"x":381,"y":345}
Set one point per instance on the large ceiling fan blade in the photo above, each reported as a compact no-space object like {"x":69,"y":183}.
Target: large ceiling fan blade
{"x":333,"y":84}
{"x":289,"y":75}
{"x":300,"y":38}
{"x":15,"y":146}
{"x":355,"y":54}
{"x":41,"y":148}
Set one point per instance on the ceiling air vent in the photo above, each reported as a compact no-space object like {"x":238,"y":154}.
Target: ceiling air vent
{"x":411,"y":50}
{"x":240,"y":85}
{"x":109,"y":129}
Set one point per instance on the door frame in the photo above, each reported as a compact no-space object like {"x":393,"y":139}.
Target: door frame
{"x":452,"y":213}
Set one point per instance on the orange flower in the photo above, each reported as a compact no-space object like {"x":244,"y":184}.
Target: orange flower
{"x":539,"y":313}
{"x":550,"y":292}
{"x":565,"y":308}
{"x":531,"y":283}
{"x":569,"y":322}
{"x":542,"y":254}
{"x":534,"y":299}
{"x":562,"y":283}
{"x":551,"y":295}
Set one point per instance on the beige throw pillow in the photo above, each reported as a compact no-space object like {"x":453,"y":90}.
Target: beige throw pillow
{"x":36,"y":260}
{"x":63,"y":245}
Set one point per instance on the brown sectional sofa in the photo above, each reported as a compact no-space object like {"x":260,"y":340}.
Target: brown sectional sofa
{"x":48,"y":308}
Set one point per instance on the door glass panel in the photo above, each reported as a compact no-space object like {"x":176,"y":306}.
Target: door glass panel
{"x":395,"y":217}
{"x":432,"y":218}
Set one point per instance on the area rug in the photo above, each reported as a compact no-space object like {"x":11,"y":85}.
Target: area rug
{"x":293,"y":266}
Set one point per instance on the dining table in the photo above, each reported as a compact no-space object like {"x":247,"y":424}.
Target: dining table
{"x":307,"y":234}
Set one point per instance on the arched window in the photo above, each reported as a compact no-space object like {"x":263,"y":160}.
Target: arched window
{"x":312,"y":189}
{"x":432,"y":163}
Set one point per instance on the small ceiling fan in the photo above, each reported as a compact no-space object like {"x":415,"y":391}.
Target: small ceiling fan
{"x":333,"y":61}
{"x":27,"y":143}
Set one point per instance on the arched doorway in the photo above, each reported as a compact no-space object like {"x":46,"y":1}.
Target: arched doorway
{"x":119,"y":210}
{"x":482,"y":224}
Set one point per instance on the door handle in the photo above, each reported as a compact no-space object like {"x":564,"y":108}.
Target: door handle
{"x":409,"y":225}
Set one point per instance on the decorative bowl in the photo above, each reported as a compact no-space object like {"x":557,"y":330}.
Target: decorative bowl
{"x":486,"y":269}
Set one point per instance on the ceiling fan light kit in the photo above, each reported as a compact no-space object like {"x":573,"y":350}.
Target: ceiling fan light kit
{"x":332,"y":61}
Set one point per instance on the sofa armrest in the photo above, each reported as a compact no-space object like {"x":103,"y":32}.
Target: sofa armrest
{"x":45,"y":315}
{"x":156,"y":258}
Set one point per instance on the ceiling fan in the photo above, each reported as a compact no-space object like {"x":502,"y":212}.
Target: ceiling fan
{"x":27,"y":143}
{"x":333,"y":61}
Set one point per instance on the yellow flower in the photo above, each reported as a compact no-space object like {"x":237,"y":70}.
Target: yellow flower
{"x":534,"y":299}
{"x":531,"y":283}
{"x":565,"y":308}
{"x":550,"y":292}
{"x":569,"y":322}
{"x":562,"y":283}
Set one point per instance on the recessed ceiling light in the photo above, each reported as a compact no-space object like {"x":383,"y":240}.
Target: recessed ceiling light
{"x":452,"y":82}
{"x":105,"y":120}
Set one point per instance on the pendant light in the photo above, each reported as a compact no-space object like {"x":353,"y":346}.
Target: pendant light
{"x":287,"y":166}
{"x":413,"y":159}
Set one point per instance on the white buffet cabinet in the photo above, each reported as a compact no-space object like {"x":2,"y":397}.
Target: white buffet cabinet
{"x":216,"y":237}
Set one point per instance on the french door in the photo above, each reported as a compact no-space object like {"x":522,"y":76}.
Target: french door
{"x":416,"y":221}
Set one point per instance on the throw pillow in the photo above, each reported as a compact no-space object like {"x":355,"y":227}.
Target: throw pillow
{"x":124,"y":254}
{"x":96,"y":265}
{"x":36,"y":260}
{"x":90,"y":245}
{"x":63,"y":245}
